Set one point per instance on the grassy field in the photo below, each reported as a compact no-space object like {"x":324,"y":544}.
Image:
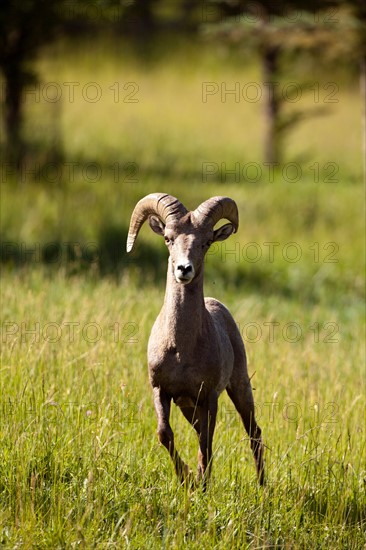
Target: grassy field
{"x":80,"y":464}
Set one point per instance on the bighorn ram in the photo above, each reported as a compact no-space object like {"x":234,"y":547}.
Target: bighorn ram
{"x":195,"y":350}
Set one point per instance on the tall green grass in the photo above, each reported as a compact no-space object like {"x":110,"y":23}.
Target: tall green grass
{"x":80,"y":465}
{"x":80,"y":462}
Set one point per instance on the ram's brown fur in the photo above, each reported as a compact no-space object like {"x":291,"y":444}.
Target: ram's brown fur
{"x":195,"y":350}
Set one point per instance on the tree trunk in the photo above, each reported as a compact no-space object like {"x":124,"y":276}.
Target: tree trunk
{"x":360,"y":13}
{"x":272,"y":146}
{"x":13,"y":117}
{"x":143,"y":10}
{"x":363,"y":97}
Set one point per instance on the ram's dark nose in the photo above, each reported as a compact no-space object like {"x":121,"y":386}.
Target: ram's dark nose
{"x":184,"y":273}
{"x":185,"y":269}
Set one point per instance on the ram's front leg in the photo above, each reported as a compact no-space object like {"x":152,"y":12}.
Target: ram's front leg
{"x":162,"y":403}
{"x":208,"y":413}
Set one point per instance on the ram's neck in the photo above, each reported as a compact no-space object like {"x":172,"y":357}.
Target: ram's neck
{"x":183,"y":312}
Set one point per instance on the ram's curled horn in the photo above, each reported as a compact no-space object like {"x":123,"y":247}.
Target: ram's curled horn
{"x":217,"y":208}
{"x":158,"y":204}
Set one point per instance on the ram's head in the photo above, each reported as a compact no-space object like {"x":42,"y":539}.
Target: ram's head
{"x":188,"y":235}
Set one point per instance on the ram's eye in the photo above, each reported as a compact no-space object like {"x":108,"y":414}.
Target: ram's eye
{"x":207,"y":244}
{"x":169,"y":241}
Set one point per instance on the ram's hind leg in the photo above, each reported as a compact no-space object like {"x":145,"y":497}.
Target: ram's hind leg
{"x":207,"y":413}
{"x":240,"y":392}
{"x":162,"y":403}
{"x":190,"y":413}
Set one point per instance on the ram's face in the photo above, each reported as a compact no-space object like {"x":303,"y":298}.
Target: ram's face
{"x":187,"y":248}
{"x":188,"y":243}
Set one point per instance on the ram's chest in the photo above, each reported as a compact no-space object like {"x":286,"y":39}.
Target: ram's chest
{"x":179,"y":375}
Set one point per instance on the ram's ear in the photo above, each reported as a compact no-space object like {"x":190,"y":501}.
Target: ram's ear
{"x":156,"y":225}
{"x":223,"y":232}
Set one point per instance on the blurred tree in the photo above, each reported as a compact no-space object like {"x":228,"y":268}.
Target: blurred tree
{"x":322,"y":27}
{"x":140,"y":14}
{"x":26,"y":26}
{"x":358,"y":10}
